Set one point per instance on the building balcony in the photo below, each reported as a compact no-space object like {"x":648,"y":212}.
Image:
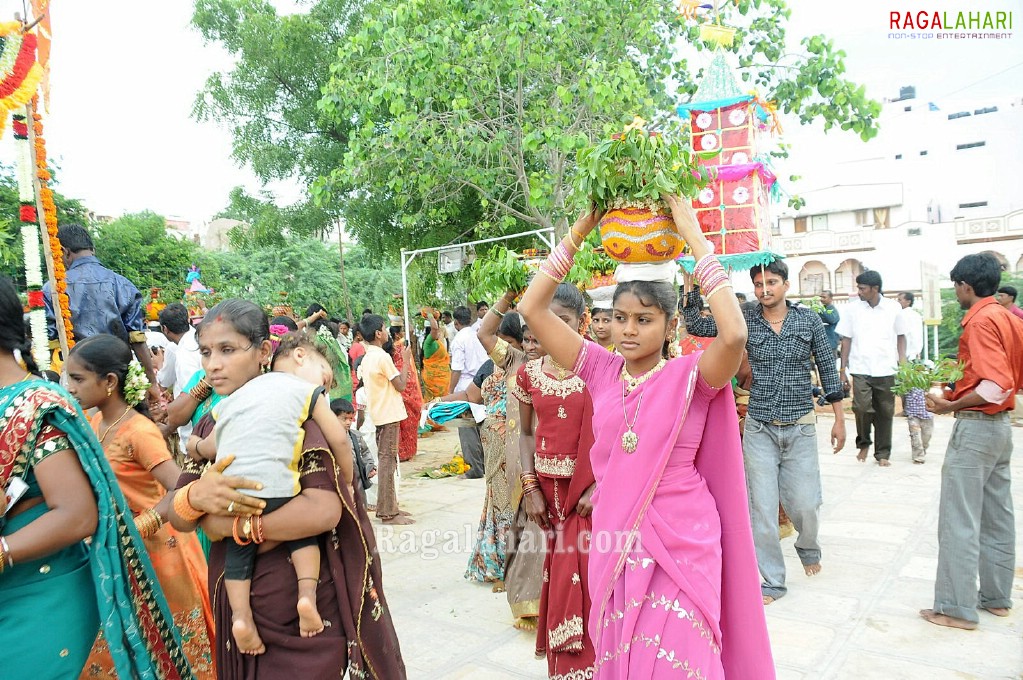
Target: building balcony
{"x":989,"y":228}
{"x":816,"y":242}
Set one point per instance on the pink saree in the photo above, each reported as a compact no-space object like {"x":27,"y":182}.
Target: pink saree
{"x":673,"y":575}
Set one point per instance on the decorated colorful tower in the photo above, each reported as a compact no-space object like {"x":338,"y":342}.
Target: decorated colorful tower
{"x":733,"y":209}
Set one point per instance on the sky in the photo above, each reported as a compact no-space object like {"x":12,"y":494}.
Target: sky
{"x":125,"y":77}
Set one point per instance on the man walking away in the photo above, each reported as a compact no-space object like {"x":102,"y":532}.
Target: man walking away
{"x":101,"y":301}
{"x":873,"y":345}
{"x":976,"y":531}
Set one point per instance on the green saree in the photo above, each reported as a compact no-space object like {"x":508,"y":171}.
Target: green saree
{"x":51,"y":608}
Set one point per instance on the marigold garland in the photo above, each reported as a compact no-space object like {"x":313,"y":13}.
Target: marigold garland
{"x":50,"y":217}
{"x":19,"y":72}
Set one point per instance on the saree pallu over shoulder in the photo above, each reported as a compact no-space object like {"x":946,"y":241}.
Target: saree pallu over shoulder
{"x":731,"y":618}
{"x":134,"y":616}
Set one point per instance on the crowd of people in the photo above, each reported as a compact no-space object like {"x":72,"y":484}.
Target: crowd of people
{"x":211,"y":518}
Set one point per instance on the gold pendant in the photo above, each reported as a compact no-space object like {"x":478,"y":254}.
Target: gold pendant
{"x":630,"y":440}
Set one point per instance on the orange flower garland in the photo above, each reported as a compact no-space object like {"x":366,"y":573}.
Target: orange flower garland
{"x":50,"y":217}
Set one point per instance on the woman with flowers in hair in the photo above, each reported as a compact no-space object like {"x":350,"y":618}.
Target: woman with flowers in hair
{"x":56,"y":590}
{"x":672,"y":571}
{"x":102,"y":375}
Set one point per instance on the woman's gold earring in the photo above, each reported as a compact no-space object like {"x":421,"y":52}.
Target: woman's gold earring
{"x":110,"y":391}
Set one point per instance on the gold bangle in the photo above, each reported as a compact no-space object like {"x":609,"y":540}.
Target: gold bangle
{"x":183,"y":508}
{"x":571,"y":241}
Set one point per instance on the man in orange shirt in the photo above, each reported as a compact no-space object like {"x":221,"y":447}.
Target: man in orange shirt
{"x":976,"y":532}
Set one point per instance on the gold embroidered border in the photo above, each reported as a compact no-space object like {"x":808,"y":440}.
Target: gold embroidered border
{"x":553,"y":466}
{"x":578,"y":674}
{"x":565,"y":631}
{"x":548,"y":386}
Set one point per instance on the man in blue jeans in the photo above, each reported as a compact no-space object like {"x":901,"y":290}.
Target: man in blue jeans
{"x":780,"y":437}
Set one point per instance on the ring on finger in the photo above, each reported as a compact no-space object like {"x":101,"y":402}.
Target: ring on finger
{"x":230,"y":508}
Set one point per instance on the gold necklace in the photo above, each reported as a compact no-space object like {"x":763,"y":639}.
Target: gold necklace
{"x":630,"y":440}
{"x":557,"y":368}
{"x":632,"y":383}
{"x":113,"y":424}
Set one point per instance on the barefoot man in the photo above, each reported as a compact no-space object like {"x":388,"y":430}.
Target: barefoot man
{"x":780,"y":436}
{"x":976,"y":534}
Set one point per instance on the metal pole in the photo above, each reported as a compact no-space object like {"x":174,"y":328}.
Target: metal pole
{"x":404,"y":288}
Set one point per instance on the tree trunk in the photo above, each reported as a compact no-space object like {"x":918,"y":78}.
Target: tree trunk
{"x":344,"y":281}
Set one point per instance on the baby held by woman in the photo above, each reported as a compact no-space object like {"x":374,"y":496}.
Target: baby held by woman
{"x":261,"y":425}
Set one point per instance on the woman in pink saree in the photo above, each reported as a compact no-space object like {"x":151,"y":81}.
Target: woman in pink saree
{"x":672,"y":572}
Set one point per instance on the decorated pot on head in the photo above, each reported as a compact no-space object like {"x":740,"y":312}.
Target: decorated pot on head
{"x":638,"y":233}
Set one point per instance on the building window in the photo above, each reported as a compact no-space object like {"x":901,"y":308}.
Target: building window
{"x":898,"y":156}
{"x":989,"y":109}
{"x":776,"y":228}
{"x":908,"y":108}
{"x":923,"y":153}
{"x":961,"y":114}
{"x":862,"y":217}
{"x":800,"y":225}
{"x":881,"y":216}
{"x":971,"y":145}
{"x":813,"y":280}
{"x":818,"y":222}
{"x":976,"y":204}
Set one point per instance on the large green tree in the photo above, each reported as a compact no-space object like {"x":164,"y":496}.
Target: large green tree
{"x":493,"y":98}
{"x":269,"y":100}
{"x":138,"y":247}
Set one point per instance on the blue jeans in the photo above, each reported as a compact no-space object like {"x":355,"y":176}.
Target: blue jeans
{"x":781,"y":464}
{"x":976,"y":530}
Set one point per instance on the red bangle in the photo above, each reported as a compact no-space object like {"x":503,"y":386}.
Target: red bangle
{"x":240,"y":539}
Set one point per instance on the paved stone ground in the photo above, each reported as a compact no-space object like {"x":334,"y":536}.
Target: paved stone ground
{"x":857,"y":620}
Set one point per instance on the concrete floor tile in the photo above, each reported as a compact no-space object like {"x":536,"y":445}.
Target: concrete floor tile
{"x":861,"y":666}
{"x":799,"y":644}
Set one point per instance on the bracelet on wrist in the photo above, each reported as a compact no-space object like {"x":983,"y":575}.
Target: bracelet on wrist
{"x":183,"y":508}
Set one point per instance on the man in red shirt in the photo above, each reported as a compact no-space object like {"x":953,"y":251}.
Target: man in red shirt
{"x":976,"y":532}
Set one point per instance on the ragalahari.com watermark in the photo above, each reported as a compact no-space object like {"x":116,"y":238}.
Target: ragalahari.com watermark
{"x":430,"y":544}
{"x":943,"y":25}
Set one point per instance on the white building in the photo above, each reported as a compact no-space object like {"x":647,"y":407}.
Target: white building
{"x":941,"y":180}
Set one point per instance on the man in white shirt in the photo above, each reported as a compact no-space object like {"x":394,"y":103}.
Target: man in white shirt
{"x":181,"y":360}
{"x":873,"y":333}
{"x":914,"y":326}
{"x":467,"y":353}
{"x":467,"y":356}
{"x":482,"y":307}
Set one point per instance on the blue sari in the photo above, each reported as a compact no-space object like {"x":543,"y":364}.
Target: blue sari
{"x":51,"y":608}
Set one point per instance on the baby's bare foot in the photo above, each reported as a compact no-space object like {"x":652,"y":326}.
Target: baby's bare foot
{"x":246,"y":636}
{"x":309,"y":621}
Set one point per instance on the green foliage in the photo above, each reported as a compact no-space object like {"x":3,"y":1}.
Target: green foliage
{"x":12,"y":258}
{"x":307,"y":270}
{"x":917,"y":375}
{"x":639,"y":166}
{"x":270,"y":225}
{"x":952,"y":315}
{"x":503,"y":270}
{"x":138,"y":247}
{"x":269,"y":102}
{"x":495,"y":97}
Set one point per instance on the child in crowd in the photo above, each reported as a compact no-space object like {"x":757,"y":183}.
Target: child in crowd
{"x":384,"y":385}
{"x":921,"y":423}
{"x":600,"y":327}
{"x":260,"y":424}
{"x":365,"y":466}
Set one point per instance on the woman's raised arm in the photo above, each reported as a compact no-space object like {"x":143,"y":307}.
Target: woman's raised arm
{"x":561,"y":342}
